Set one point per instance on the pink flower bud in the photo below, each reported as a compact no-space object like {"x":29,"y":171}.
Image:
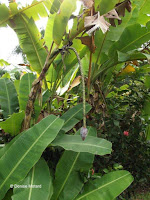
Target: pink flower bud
{"x":126,"y":133}
{"x":83,"y":133}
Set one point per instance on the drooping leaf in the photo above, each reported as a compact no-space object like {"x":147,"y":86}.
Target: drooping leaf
{"x":108,"y":187}
{"x":27,"y":150}
{"x":75,"y":83}
{"x":12,"y":125}
{"x":25,"y":88}
{"x":73,"y":116}
{"x":112,"y":15}
{"x":36,"y":9}
{"x":95,"y":22}
{"x":35,"y":186}
{"x":91,"y":144}
{"x":8,"y":97}
{"x":86,"y":40}
{"x":69,"y":170}
{"x":61,"y":20}
{"x":121,"y":7}
{"x":30,"y":41}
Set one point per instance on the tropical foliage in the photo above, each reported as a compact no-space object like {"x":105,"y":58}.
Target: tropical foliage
{"x":42,"y":155}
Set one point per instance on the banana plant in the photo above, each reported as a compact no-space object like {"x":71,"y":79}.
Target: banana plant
{"x":103,"y":35}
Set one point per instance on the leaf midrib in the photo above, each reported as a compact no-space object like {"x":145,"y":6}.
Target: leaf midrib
{"x":20,"y":11}
{"x":102,"y":187}
{"x":135,"y":41}
{"x":32,"y":178}
{"x":84,"y":144}
{"x":68,"y":175}
{"x":32,"y":40}
{"x":25,"y":154}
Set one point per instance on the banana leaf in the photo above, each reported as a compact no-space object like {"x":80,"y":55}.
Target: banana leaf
{"x":26,"y":150}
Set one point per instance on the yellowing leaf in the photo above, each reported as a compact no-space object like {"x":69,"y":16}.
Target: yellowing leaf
{"x":128,"y":69}
{"x":75,"y":82}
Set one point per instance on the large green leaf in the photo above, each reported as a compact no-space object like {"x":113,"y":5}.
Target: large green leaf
{"x":135,"y":55}
{"x":8,"y":145}
{"x":37,"y":184}
{"x":73,"y":116}
{"x":22,"y":154}
{"x":69,"y":170}
{"x":4,"y":14}
{"x":105,"y":5}
{"x":91,"y":144}
{"x":30,"y":41}
{"x":144,"y":6}
{"x":8,"y":97}
{"x":36,"y":9}
{"x":132,"y":38}
{"x":61,"y":20}
{"x":108,"y":187}
{"x":12,"y":125}
{"x":25,"y":88}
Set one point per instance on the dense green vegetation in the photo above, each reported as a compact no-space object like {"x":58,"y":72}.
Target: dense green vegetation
{"x":75,"y":124}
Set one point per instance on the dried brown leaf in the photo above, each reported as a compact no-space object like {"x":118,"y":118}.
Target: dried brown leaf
{"x":95,"y":22}
{"x":75,"y":82}
{"x":112,"y":15}
{"x":121,"y":7}
{"x":88,"y":42}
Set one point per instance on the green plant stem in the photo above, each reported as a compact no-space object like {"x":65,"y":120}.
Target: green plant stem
{"x":83,"y":84}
